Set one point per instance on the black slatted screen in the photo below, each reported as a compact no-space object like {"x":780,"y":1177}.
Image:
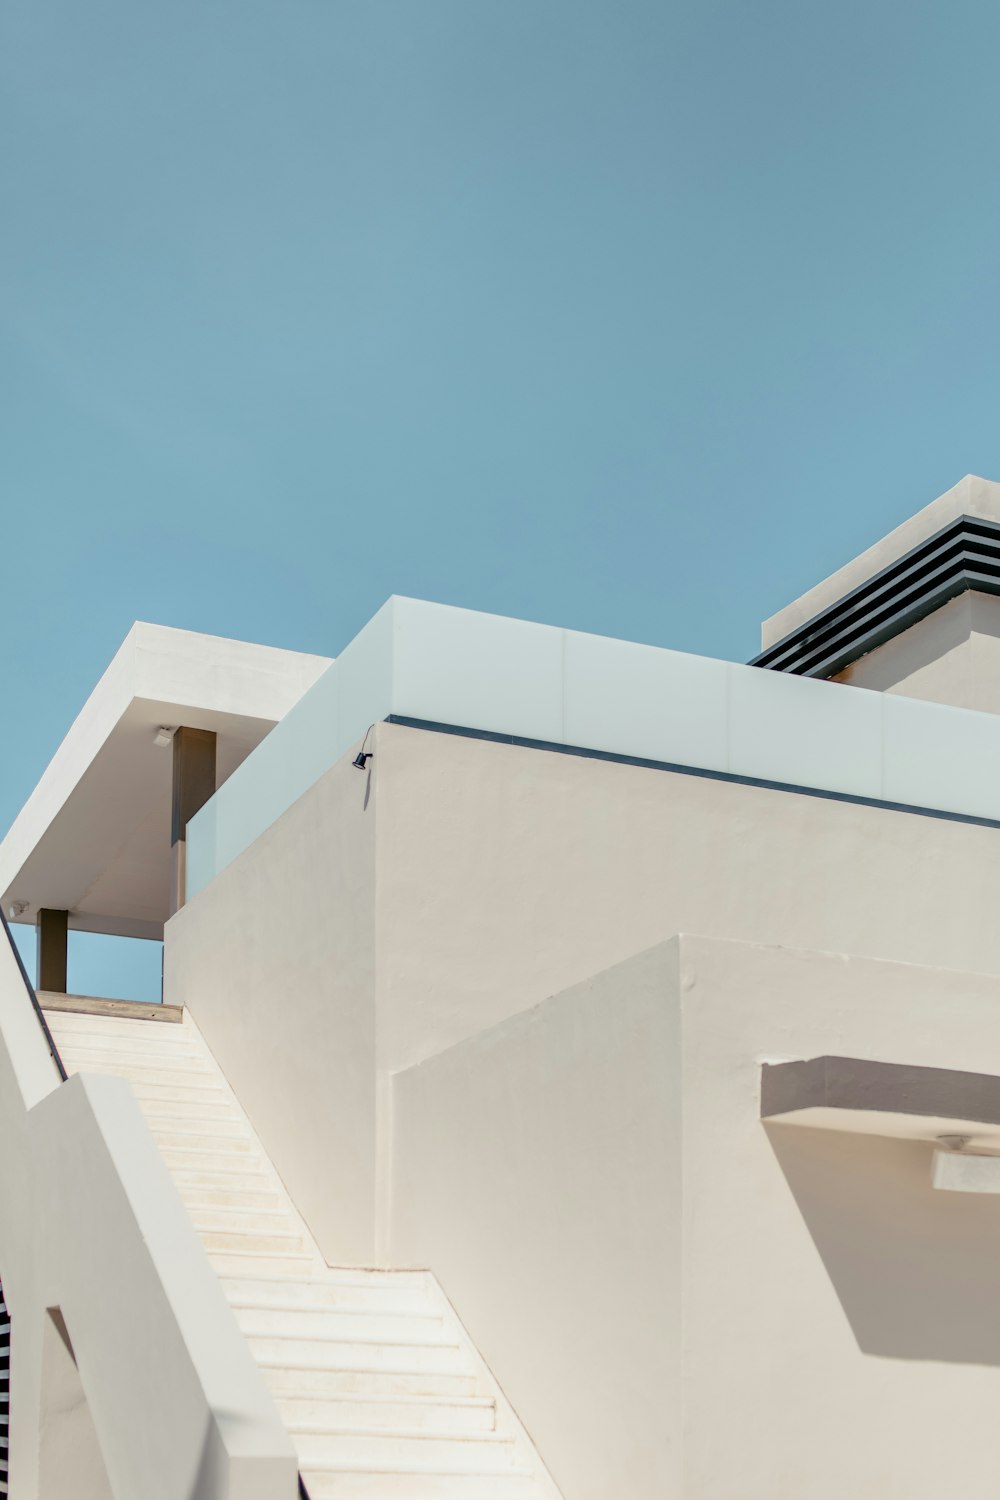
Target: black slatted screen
{"x":4,"y":1391}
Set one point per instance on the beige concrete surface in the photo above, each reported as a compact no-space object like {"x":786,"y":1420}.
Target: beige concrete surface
{"x":70,"y":1458}
{"x":498,"y":876}
{"x":388,"y":916}
{"x":839,"y":1327}
{"x":276,"y":962}
{"x":805,"y":1313}
{"x":951,"y":656}
{"x":536,"y":1168}
{"x":505,"y":875}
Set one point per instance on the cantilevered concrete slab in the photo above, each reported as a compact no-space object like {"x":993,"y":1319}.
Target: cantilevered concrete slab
{"x":882,"y":1098}
{"x":94,"y":837}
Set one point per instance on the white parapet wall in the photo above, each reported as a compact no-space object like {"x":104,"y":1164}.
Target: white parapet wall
{"x":539,"y":683}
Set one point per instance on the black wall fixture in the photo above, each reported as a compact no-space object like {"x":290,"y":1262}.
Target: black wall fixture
{"x":963,"y":555}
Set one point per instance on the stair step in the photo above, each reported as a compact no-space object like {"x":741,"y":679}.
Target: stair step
{"x":369,"y":1276}
{"x":134,"y":1049}
{"x":64,"y":1023}
{"x":229,"y":1128}
{"x":332,"y":1292}
{"x":241,"y":1262}
{"x":248,"y":1242}
{"x":408,"y":1357}
{"x":191,"y":1107}
{"x":189,"y":1092}
{"x":388,"y":1413}
{"x":239,"y":1179}
{"x":335,"y":1323}
{"x":486,"y":1453}
{"x":267,"y":1221}
{"x":189,"y":1161}
{"x":382,"y":1401}
{"x":179,"y":1077}
{"x":411,"y":1484}
{"x":221,"y":1138}
{"x":214,"y":1195}
{"x":307,"y":1382}
{"x":163,"y":1042}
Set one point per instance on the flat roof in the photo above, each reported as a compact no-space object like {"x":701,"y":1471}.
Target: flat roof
{"x":93,"y":838}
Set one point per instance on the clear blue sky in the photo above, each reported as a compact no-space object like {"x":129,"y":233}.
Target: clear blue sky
{"x":629,"y":315}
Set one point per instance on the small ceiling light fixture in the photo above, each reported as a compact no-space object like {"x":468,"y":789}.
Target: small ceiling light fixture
{"x":363,"y":756}
{"x":163,"y":736}
{"x":17,"y":909}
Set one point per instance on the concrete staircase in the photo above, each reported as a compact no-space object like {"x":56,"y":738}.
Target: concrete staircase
{"x":383,"y":1394}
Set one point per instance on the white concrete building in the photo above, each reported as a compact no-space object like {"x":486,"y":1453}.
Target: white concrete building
{"x":579,"y":1066}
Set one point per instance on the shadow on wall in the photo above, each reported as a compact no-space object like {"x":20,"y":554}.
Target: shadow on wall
{"x":71,"y":1462}
{"x":915,"y":1269}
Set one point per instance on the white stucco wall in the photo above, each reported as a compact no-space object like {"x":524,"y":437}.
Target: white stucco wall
{"x":840,"y":1334}
{"x":276,"y":961}
{"x":505,"y":875}
{"x":389,"y":915}
{"x":836,"y":1332}
{"x":952,"y":656}
{"x":497,"y":876}
{"x":536,"y":1167}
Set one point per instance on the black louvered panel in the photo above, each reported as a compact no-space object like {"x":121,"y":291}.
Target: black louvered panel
{"x":963,"y":555}
{"x":4,"y":1391}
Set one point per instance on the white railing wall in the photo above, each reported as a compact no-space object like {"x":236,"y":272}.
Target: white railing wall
{"x":91,"y":1225}
{"x":537,"y":682}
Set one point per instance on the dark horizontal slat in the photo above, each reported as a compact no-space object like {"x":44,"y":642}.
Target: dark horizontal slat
{"x":4,"y":1391}
{"x":963,"y":555}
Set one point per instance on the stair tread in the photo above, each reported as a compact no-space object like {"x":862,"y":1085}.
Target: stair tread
{"x":389,"y":1399}
{"x":408,"y":1467}
{"x":418,"y":1434}
{"x":243,"y":1304}
{"x":380,"y":1390}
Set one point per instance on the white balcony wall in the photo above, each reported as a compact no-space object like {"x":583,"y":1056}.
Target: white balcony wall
{"x":536,"y":682}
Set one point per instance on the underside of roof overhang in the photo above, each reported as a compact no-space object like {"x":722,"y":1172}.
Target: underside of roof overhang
{"x":94,"y":837}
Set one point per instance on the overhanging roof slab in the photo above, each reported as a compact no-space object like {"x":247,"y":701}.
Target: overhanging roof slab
{"x":93,"y":838}
{"x":864,"y":1096}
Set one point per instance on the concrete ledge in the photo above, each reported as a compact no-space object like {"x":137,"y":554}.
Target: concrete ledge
{"x":91,"y":1005}
{"x":961,"y":1172}
{"x":880,"y":1098}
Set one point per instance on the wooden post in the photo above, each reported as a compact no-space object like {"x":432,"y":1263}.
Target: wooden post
{"x":194,"y":783}
{"x":53,"y":950}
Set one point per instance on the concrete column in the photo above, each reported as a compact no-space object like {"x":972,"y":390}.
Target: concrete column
{"x":53,"y":950}
{"x":194,"y":783}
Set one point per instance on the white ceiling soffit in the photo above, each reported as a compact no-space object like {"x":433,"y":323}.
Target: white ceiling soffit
{"x":93,"y":838}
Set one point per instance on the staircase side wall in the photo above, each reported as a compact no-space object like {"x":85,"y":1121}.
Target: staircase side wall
{"x":536,"y":1168}
{"x":275,"y":960}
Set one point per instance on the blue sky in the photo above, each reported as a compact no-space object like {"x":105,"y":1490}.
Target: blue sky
{"x":636,"y":317}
